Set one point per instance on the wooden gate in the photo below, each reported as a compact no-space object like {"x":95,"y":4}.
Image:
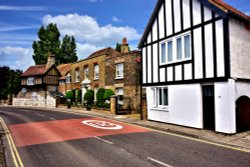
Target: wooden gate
{"x":243,"y":114}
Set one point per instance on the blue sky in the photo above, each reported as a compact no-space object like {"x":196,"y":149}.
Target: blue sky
{"x":94,"y":23}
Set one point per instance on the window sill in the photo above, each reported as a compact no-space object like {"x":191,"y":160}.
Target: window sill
{"x":117,"y":78}
{"x":160,"y":109}
{"x":96,"y":79}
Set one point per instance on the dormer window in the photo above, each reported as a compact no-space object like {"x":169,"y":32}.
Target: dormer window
{"x":31,"y":81}
{"x":68,"y":78}
{"x":77,"y":74}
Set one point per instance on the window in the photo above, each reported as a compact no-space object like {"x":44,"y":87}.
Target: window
{"x":61,"y":82}
{"x":176,"y":49}
{"x":160,"y":97}
{"x":77,"y":74}
{"x":86,"y":72}
{"x":96,"y":71}
{"x":119,"y":92}
{"x":68,"y":78}
{"x":31,"y":81}
{"x":119,"y":70}
{"x":34,"y":96}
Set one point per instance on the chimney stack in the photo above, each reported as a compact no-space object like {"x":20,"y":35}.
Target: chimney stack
{"x":124,"y":46}
{"x":51,"y":61}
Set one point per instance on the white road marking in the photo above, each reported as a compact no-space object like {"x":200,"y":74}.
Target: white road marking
{"x":53,"y":119}
{"x":159,"y":162}
{"x":40,"y":114}
{"x":102,"y":124}
{"x":106,"y":141}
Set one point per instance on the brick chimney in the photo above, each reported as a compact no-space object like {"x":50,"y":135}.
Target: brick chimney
{"x":124,"y":46}
{"x":51,"y":61}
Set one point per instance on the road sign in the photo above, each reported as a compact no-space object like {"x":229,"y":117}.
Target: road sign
{"x":102,"y":124}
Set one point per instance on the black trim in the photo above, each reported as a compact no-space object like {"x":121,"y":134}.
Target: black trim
{"x":181,"y":14}
{"x":214,"y":46}
{"x":192,"y":37}
{"x":173,"y":25}
{"x":177,"y":63}
{"x":226,"y":47}
{"x":165,"y":19}
{"x":152,"y":60}
{"x":182,"y":72}
{"x":146,"y":64}
{"x":203,"y":43}
{"x":221,"y":79}
{"x":166,"y":74}
{"x":186,"y":30}
{"x":158,"y":50}
{"x":174,"y":73}
{"x":208,"y":4}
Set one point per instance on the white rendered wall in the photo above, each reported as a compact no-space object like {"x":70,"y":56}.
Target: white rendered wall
{"x":225,"y":118}
{"x":185,"y":106}
{"x":242,"y":89}
{"x":239,"y":49}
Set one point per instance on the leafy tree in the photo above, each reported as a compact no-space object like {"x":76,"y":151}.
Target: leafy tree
{"x":89,"y":97}
{"x":10,"y":83}
{"x":118,"y":47}
{"x":107,"y":94}
{"x":68,"y":51}
{"x":79,"y":96}
{"x":99,"y":97}
{"x":70,"y":95}
{"x":49,"y":42}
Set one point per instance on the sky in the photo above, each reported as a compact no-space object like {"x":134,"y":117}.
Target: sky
{"x":95,"y":24}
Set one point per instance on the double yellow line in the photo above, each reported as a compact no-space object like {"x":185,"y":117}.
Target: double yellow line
{"x":15,"y":155}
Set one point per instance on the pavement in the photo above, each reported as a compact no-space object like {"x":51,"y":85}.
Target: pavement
{"x":240,"y":140}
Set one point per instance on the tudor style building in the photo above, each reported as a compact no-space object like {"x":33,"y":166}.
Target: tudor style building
{"x":195,"y":65}
{"x":39,"y":85}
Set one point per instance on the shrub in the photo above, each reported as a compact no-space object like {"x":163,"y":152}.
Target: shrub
{"x":79,"y":96}
{"x":69,"y":95}
{"x":89,"y":97}
{"x":99,"y":97}
{"x":107,"y":94}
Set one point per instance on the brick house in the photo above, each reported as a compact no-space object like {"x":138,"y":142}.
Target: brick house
{"x":39,"y":85}
{"x":65,"y":79}
{"x":110,"y":69}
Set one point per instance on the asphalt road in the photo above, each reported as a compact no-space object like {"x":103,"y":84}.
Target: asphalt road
{"x":57,"y":139}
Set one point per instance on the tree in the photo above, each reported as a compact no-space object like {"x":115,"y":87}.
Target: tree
{"x":99,"y":97}
{"x":49,"y":42}
{"x":108,"y":93}
{"x":68,"y":51}
{"x":10,"y":83}
{"x":118,"y":47}
{"x":79,"y":95}
{"x":89,"y":97}
{"x":69,"y":95}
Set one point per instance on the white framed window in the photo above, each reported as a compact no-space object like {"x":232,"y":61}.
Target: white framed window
{"x":161,"y":99}
{"x":119,"y":92}
{"x":86,"y":72}
{"x":34,"y":96}
{"x":96,"y":71}
{"x":68,"y":78}
{"x":31,"y":81}
{"x":61,"y":82}
{"x":176,"y":49}
{"x":119,"y":71}
{"x":77,"y":75}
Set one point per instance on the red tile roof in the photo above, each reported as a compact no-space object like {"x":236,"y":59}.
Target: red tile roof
{"x":35,"y":70}
{"x":64,"y":69}
{"x":227,"y":8}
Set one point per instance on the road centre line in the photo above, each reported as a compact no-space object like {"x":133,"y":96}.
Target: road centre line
{"x":159,"y":162}
{"x":223,"y":145}
{"x":40,"y":114}
{"x":106,"y":141}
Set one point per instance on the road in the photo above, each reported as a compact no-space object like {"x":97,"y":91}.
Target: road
{"x":60,"y":139}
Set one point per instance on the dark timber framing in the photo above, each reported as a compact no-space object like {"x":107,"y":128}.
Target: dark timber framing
{"x":221,"y":15}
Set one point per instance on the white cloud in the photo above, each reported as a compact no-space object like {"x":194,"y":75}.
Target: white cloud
{"x":16,"y":57}
{"x":84,"y":50}
{"x":94,"y":0}
{"x":87,"y":30}
{"x":22,"y":8}
{"x":17,"y":27}
{"x":116,"y":19}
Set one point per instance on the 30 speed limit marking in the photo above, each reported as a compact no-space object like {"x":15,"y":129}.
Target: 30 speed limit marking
{"x":102,"y":124}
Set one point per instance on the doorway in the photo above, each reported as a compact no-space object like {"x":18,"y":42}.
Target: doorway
{"x":208,"y":107}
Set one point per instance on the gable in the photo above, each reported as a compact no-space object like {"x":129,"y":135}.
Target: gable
{"x":174,"y":16}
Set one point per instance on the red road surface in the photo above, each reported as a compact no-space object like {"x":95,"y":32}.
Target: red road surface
{"x":63,"y":130}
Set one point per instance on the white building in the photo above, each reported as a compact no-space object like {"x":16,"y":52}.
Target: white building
{"x":196,"y":65}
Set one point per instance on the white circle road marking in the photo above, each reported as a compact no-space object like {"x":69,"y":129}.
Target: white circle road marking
{"x":102,"y":124}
